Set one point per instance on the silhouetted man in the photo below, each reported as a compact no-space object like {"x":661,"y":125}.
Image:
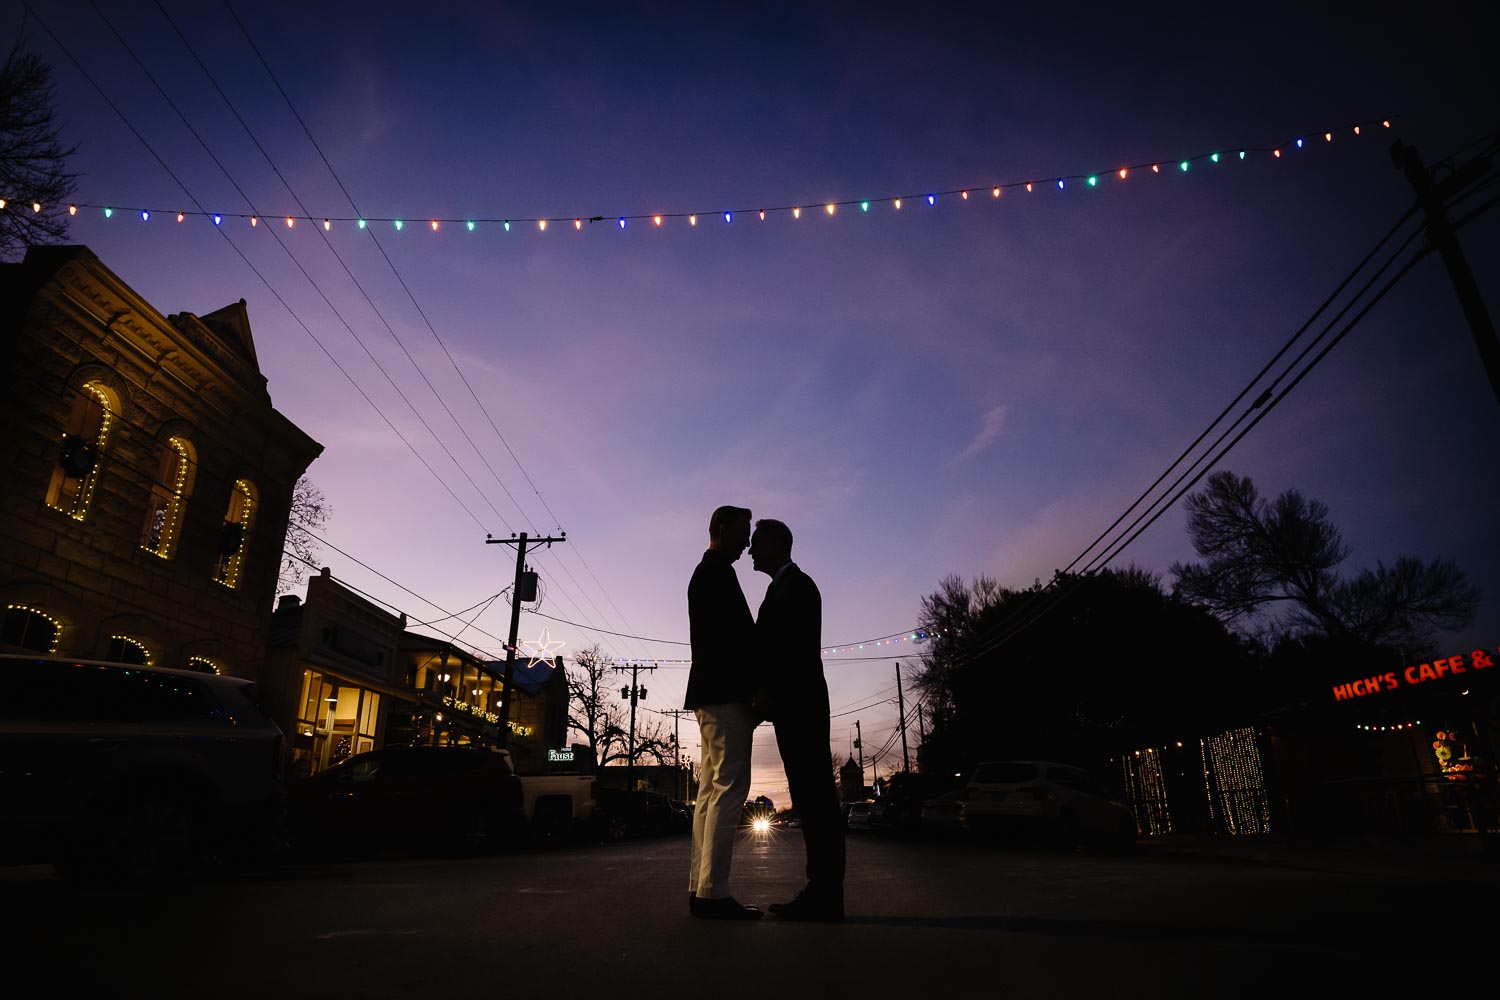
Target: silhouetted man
{"x":789,"y":630}
{"x":719,"y":686}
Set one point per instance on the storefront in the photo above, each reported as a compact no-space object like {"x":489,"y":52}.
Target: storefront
{"x":332,"y":674}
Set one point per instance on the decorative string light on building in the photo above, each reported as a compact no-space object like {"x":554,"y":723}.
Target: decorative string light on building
{"x":1395,"y":728}
{"x":1089,"y":180}
{"x":1235,"y":782}
{"x":1146,"y":790}
{"x":21,"y":625}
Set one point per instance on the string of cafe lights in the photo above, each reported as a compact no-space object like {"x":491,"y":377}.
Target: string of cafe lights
{"x":972,"y":193}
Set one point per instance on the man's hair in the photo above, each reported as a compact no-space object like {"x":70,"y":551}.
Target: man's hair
{"x":776,"y":531}
{"x":723,"y":516}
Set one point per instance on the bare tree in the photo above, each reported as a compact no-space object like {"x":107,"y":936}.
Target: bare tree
{"x":1263,"y":557}
{"x":310,"y":511}
{"x":598,"y":714}
{"x":33,"y":162}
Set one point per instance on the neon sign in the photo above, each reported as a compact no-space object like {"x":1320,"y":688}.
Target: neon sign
{"x":1450,"y":666}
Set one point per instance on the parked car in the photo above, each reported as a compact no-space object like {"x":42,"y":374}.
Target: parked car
{"x":112,"y":769}
{"x":444,"y":800}
{"x":787,"y":819}
{"x":1047,"y":799}
{"x":860,"y":815}
{"x":945,"y":813}
{"x":638,"y":813}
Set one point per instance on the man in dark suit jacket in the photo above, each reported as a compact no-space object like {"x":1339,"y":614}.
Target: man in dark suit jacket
{"x":789,"y":632}
{"x":719,"y":688}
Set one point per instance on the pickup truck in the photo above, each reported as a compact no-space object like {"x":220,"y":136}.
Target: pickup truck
{"x":559,"y":806}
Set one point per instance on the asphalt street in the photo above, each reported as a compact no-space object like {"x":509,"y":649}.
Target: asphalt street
{"x":613,"y":919}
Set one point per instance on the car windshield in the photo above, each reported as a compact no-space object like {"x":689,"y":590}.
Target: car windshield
{"x":1005,"y":772}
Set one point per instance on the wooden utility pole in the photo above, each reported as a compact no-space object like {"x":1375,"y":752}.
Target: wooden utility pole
{"x":523,"y":578}
{"x":859,"y":744}
{"x":636,"y":694}
{"x":901,"y":703}
{"x":677,"y":714}
{"x":1441,"y":236}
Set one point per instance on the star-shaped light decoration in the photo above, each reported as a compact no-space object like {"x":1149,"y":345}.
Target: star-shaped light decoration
{"x":540,"y":650}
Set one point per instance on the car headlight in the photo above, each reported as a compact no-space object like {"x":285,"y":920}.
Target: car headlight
{"x":761,"y":825}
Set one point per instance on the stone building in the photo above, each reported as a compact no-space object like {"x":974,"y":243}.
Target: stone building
{"x":148,"y":480}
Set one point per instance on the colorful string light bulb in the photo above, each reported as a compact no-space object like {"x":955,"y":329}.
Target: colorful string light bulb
{"x":506,"y":224}
{"x":692,"y":220}
{"x":36,"y":206}
{"x":762,"y":215}
{"x":541,"y":225}
{"x":470,"y":224}
{"x":1028,"y":187}
{"x":577,"y":224}
{"x":400,"y":225}
{"x":434,"y":225}
{"x":1093,"y":181}
{"x":327,"y":225}
{"x":107,"y":212}
{"x":1214,"y":157}
{"x":290,"y":222}
{"x":829,"y":206}
{"x":996,"y":192}
{"x":728,"y":217}
{"x":796,"y":213}
{"x":145,"y":216}
{"x":898,"y":204}
{"x":254,"y":221}
{"x":361,"y":223}
{"x":964,"y":195}
{"x":864,"y":206}
{"x":1122,"y":173}
{"x":1183,"y":165}
{"x":180,"y":217}
{"x":622,"y":222}
{"x":1059,"y":183}
{"x":72,"y":209}
{"x":932,"y":199}
{"x":218,"y":219}
{"x":657,"y":220}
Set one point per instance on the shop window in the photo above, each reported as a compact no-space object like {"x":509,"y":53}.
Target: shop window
{"x":28,"y":628}
{"x":203,"y":665}
{"x":169,"y":493}
{"x":84,"y":439}
{"x":235,"y":534}
{"x":334,"y":721}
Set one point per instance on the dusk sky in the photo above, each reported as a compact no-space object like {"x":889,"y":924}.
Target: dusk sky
{"x":974,"y":386}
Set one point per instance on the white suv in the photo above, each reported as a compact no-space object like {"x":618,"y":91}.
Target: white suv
{"x":114,"y":769}
{"x":1028,"y":796}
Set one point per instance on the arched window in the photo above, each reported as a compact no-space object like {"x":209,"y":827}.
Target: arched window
{"x":28,"y":628}
{"x":236,"y":533}
{"x":169,"y":493}
{"x":84,"y":437}
{"x":124,"y":649}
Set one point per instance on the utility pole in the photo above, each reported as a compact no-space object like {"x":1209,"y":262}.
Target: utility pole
{"x":859,"y":744}
{"x":677,"y":714}
{"x":636,"y":694}
{"x":519,"y":591}
{"x":921,"y":734}
{"x":901,"y":702}
{"x":1441,"y":237}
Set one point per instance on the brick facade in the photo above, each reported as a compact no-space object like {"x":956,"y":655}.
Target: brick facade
{"x":68,"y":323}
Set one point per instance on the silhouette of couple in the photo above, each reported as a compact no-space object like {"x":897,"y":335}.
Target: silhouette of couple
{"x":746,"y":670}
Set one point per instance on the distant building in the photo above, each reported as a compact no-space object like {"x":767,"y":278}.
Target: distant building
{"x":852,"y":782}
{"x":147,"y":478}
{"x":332,"y":673}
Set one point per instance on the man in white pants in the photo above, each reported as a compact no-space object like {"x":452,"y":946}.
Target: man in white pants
{"x":719,"y":688}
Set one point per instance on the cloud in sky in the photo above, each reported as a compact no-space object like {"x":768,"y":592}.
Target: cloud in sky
{"x":994,"y":423}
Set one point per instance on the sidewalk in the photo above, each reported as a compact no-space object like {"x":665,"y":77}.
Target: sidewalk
{"x":1453,"y":856}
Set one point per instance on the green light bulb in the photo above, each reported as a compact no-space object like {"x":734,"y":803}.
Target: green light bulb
{"x":1183,"y":165}
{"x":1093,"y":182}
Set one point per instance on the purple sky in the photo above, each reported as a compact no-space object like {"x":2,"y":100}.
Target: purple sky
{"x":975,"y":387}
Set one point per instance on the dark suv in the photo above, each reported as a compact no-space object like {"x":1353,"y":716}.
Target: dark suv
{"x":119,"y":769}
{"x":442,"y":800}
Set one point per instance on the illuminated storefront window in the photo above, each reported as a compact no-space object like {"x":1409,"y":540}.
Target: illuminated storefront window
{"x":238,"y":521}
{"x":84,"y":438}
{"x":335,"y":720}
{"x":169,"y":495}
